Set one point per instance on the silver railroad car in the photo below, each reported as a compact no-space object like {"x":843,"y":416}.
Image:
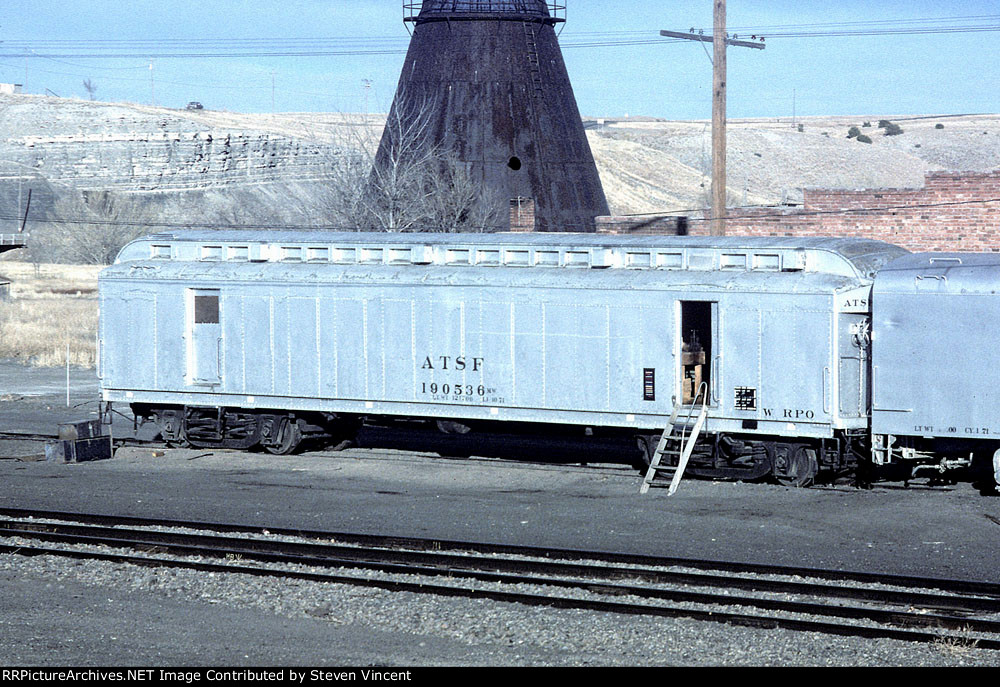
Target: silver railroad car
{"x":936,"y":382}
{"x":243,"y":338}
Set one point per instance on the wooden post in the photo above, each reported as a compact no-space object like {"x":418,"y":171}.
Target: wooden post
{"x":718,"y":225}
{"x":719,"y":42}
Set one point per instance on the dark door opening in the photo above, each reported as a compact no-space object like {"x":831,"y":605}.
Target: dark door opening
{"x":696,"y":349}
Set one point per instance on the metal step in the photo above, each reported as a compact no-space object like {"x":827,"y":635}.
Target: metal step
{"x":663,"y":468}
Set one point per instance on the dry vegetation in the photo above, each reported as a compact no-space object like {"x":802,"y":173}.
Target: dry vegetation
{"x":49,"y":307}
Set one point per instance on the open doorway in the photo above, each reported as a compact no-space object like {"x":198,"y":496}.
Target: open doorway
{"x":696,"y":349}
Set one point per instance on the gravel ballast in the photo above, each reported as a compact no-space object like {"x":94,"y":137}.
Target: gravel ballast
{"x":492,"y":633}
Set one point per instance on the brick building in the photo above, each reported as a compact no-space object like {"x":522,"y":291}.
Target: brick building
{"x":954,"y":211}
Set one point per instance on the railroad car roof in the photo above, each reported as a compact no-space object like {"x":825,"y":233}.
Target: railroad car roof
{"x":294,"y":275}
{"x":850,"y":257}
{"x":945,"y":273}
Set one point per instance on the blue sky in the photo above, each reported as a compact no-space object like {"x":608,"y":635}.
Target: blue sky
{"x":49,"y":46}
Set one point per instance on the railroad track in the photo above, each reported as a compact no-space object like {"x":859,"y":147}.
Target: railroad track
{"x":36,"y":436}
{"x":28,"y":436}
{"x":844,"y":603}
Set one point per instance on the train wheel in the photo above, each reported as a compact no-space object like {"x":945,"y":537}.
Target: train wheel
{"x":801,"y":468}
{"x":644,"y":455}
{"x":290,"y":437}
{"x":452,"y":427}
{"x":171,"y":425}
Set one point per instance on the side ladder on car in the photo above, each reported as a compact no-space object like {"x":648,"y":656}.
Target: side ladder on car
{"x":678,"y":439}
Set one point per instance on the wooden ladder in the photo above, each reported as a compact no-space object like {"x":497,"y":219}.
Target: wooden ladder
{"x":677,"y":441}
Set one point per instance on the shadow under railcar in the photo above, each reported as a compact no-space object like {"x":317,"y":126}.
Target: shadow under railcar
{"x":525,"y":442}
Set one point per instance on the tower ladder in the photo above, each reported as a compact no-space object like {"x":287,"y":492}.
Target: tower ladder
{"x":532,"y":46}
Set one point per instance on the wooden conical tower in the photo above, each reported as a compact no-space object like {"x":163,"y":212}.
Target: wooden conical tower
{"x":492,"y":73}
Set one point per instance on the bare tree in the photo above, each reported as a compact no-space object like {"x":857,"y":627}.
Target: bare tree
{"x":406,"y":170}
{"x":407,"y":181}
{"x":340,"y":204}
{"x":90,"y":87}
{"x":457,"y":203}
{"x":92,"y":226}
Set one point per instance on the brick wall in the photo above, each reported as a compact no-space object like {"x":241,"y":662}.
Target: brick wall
{"x":954,"y":211}
{"x":522,"y":214}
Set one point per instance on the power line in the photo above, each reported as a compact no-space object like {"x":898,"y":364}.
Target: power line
{"x":220,"y":87}
{"x":393,"y":39}
{"x":571,"y":30}
{"x":206,"y":55}
{"x":341,"y":227}
{"x":218,"y":48}
{"x":810,"y":213}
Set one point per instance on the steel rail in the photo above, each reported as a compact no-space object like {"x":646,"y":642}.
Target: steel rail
{"x":954,"y":586}
{"x":770,"y":622}
{"x":8,"y":435}
{"x":500,"y":570}
{"x":490,"y":568}
{"x":27,"y":436}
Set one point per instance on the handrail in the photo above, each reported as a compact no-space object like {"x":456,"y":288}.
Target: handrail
{"x":412,"y":8}
{"x":703,"y":395}
{"x":687,"y":447}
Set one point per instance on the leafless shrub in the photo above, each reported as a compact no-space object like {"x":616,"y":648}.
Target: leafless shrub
{"x":407,"y":181}
{"x":90,"y":227}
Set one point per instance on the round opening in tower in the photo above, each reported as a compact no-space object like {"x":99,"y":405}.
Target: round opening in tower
{"x":514,"y":163}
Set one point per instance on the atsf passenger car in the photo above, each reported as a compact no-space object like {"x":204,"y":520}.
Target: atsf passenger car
{"x":243,"y":338}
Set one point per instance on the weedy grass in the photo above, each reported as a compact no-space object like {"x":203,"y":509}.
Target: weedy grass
{"x":50,"y":307}
{"x":957,"y":646}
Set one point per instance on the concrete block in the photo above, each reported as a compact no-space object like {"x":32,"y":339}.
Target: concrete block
{"x":79,"y":450}
{"x":85,"y":429}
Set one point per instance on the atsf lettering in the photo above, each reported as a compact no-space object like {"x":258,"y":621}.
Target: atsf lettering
{"x":449,"y":362}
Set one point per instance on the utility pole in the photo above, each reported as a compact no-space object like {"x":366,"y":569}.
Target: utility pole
{"x":718,"y":224}
{"x":367,"y":85}
{"x":720,"y":41}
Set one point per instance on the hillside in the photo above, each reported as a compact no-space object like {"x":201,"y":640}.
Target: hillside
{"x":229,"y":168}
{"x":770,"y":162}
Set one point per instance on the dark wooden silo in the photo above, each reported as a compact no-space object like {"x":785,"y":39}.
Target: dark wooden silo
{"x":493,"y":74}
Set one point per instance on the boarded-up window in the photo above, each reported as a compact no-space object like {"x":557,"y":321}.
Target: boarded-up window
{"x":522,"y":214}
{"x":206,"y":309}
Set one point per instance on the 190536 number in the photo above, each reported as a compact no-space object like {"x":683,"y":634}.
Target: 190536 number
{"x":453,"y":389}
